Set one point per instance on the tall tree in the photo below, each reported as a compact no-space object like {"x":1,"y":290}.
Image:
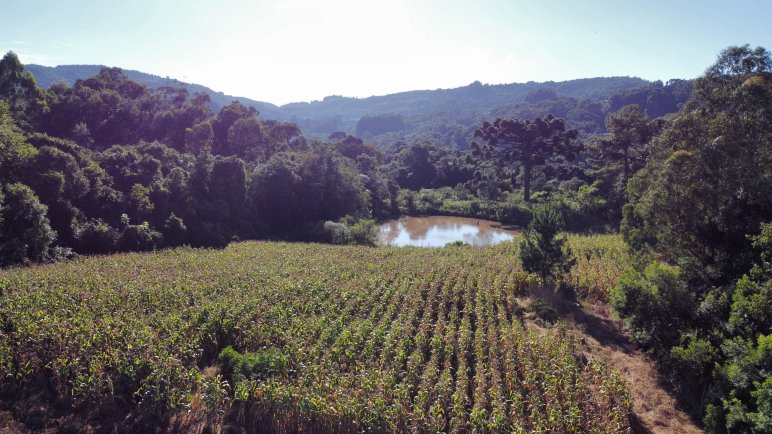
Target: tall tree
{"x":15,"y":152}
{"x":626,"y":146}
{"x":528,"y":142}
{"x":25,"y":232}
{"x":221,"y":125}
{"x":708,"y":184}
{"x":21,"y":92}
{"x":704,"y":202}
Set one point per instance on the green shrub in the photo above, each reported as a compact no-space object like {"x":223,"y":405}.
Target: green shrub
{"x":25,"y":231}
{"x":237,"y":367}
{"x":655,"y":304}
{"x":457,"y":243}
{"x":137,"y":238}
{"x":335,"y":233}
{"x":174,"y":231}
{"x":515,"y":211}
{"x":745,"y":404}
{"x":364,"y":232}
{"x":694,"y":357}
{"x":346,"y":231}
{"x":96,"y":236}
{"x":541,"y":251}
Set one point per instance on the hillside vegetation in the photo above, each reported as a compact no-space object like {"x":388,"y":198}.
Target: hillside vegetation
{"x":445,"y":116}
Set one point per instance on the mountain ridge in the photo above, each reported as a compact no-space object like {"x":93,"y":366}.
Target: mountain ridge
{"x":442,"y":115}
{"x":577,"y":88}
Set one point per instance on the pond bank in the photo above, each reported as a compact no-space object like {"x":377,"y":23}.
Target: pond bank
{"x":437,"y":231}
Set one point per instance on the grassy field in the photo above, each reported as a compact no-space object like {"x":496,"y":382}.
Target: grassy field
{"x":287,"y":337}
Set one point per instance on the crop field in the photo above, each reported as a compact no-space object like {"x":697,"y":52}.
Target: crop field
{"x":600,"y":262}
{"x":303,"y":337}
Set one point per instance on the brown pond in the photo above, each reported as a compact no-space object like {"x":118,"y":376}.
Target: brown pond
{"x":437,"y":231}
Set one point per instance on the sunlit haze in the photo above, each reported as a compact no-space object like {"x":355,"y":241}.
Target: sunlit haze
{"x":290,"y":50}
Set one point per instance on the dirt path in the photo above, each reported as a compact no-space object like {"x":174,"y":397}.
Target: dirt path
{"x":655,"y":410}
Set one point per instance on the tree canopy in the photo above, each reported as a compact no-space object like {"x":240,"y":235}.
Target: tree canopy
{"x":699,"y":214}
{"x":527,"y":142}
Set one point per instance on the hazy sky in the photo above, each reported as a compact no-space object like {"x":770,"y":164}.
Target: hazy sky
{"x":292,"y":50}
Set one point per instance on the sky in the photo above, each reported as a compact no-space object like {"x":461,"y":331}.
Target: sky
{"x":283,"y":51}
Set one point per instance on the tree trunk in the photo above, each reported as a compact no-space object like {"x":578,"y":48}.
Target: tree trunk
{"x":527,"y":182}
{"x":627,"y":166}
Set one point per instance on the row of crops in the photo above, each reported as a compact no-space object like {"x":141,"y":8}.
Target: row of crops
{"x":303,"y":337}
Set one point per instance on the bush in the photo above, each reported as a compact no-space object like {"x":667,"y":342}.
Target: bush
{"x":137,"y":238}
{"x":347,"y":231}
{"x":655,"y":305}
{"x":175,"y":231}
{"x":335,"y":233}
{"x":25,"y":231}
{"x":541,"y":251}
{"x":364,"y":232}
{"x":237,"y":367}
{"x":457,"y":243}
{"x":515,"y":211}
{"x":96,"y":236}
{"x":745,"y":404}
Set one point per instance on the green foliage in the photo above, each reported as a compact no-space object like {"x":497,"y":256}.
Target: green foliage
{"x":310,"y":338}
{"x":704,"y":202}
{"x":514,"y":211}
{"x":694,"y":358}
{"x":655,"y":304}
{"x":175,"y":231}
{"x":262,"y":364}
{"x":111,"y":146}
{"x":15,"y":152}
{"x":25,"y":231}
{"x":720,"y":144}
{"x":96,"y":236}
{"x":457,"y":243}
{"x":348,"y":231}
{"x":199,"y":138}
{"x":541,"y":250}
{"x":137,"y":238}
{"x":744,"y":405}
{"x":528,"y":142}
{"x":335,"y":233}
{"x":364,"y":232}
{"x":20,"y":91}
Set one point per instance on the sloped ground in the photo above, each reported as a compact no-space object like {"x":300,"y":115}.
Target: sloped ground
{"x":601,"y":338}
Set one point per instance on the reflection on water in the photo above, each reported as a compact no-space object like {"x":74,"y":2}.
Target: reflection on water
{"x":436,"y":231}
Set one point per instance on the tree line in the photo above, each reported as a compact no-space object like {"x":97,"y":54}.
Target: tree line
{"x":109,"y":165}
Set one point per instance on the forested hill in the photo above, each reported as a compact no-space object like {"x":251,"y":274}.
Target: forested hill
{"x":476,"y":96}
{"x":441,"y":116}
{"x":48,"y":75}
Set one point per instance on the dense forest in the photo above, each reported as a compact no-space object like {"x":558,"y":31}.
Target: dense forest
{"x":447,"y":117}
{"x":681,"y":169}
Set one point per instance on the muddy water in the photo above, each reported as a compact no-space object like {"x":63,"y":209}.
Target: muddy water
{"x":436,"y":231}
